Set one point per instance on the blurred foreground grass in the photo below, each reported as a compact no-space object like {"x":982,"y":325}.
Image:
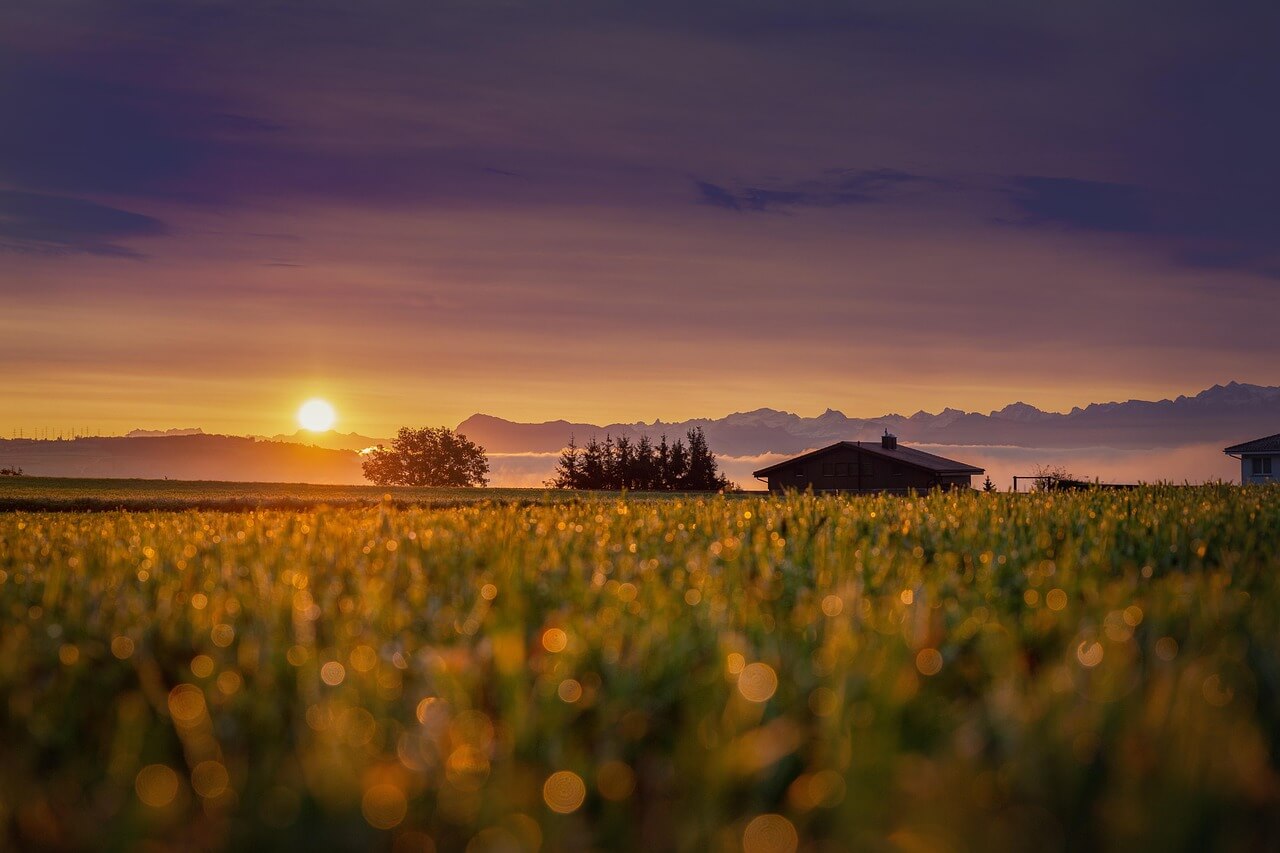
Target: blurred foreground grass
{"x":950,"y":672}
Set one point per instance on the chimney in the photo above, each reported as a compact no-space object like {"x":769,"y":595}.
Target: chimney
{"x":889,"y":441}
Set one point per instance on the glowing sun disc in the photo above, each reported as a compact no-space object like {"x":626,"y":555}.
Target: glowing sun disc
{"x":316,"y":415}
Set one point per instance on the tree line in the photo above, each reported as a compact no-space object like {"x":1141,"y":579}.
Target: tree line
{"x":621,"y":463}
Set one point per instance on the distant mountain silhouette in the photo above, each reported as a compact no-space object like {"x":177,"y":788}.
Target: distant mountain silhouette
{"x":525,"y":453}
{"x":182,"y":457}
{"x":332,"y":440}
{"x":1223,"y":413}
{"x":160,"y":433}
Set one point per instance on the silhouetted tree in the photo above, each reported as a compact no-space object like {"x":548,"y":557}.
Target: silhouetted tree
{"x":10,"y":472}
{"x":662,"y":465}
{"x":702,"y":475}
{"x":1055,"y":478}
{"x":640,"y":466}
{"x":624,"y":464}
{"x":431,"y":456}
{"x":647,"y":476}
{"x":987,"y":485}
{"x":568,"y":469}
{"x":676,"y":475}
{"x":593,"y":467}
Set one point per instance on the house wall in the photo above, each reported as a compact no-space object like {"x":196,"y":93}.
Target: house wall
{"x":848,"y":469}
{"x":1247,"y":476}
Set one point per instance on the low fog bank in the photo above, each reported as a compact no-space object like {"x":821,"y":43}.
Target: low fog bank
{"x":1192,"y":464}
{"x":209,"y":457}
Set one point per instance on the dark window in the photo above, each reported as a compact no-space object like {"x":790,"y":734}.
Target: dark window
{"x":799,"y":470}
{"x":828,"y":470}
{"x":867,"y":469}
{"x":1262,"y":466}
{"x":841,"y":469}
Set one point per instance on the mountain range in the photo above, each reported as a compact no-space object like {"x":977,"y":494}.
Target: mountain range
{"x":1014,"y":437}
{"x":1226,"y":413}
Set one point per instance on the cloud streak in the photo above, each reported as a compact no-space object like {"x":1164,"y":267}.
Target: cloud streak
{"x":46,"y":224}
{"x":507,"y":207}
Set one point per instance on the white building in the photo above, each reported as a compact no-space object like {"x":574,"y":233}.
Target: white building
{"x":1259,"y":459}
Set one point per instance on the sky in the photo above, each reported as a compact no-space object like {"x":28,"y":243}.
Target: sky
{"x":608,"y":211}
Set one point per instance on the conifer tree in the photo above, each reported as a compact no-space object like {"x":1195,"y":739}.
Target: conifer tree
{"x":593,"y":465}
{"x":639,"y":465}
{"x":646,"y":469}
{"x":568,"y":469}
{"x":678,"y":470}
{"x":624,"y":463}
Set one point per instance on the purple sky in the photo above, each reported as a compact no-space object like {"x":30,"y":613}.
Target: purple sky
{"x":608,"y":211}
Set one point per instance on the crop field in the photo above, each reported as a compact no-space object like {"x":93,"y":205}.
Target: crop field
{"x":1083,"y":671}
{"x":70,"y":494}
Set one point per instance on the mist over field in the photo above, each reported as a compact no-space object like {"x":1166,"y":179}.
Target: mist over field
{"x":1172,"y":440}
{"x":1199,"y":463}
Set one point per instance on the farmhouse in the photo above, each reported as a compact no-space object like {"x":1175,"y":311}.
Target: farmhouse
{"x":1259,"y":459}
{"x":857,"y":466}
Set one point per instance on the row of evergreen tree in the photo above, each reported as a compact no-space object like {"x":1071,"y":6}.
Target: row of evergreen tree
{"x":641,"y":465}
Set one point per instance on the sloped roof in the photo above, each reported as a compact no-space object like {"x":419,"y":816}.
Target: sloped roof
{"x":905,"y":455}
{"x":1270,"y":444}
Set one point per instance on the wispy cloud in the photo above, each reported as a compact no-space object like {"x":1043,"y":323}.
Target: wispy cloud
{"x":47,"y":224}
{"x":1198,"y":229}
{"x":834,"y":188}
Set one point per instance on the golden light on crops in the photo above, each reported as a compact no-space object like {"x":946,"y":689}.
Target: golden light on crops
{"x":210,"y":779}
{"x":202,"y":666}
{"x":222,"y":635}
{"x":1089,"y":653}
{"x":415,"y":842}
{"x":122,"y":647}
{"x":554,"y":640}
{"x":384,"y":806}
{"x":757,"y":682}
{"x":250,"y":737}
{"x":431,"y":707}
{"x":570,"y":690}
{"x":929,"y":661}
{"x":564,"y":791}
{"x":186,"y":704}
{"x":332,"y":673}
{"x":156,"y":785}
{"x":615,"y":780}
{"x":824,"y":789}
{"x":316,"y":415}
{"x":770,"y":833}
{"x":823,"y":701}
{"x":467,"y":768}
{"x":363,"y":658}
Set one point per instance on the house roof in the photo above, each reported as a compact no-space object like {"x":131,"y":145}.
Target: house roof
{"x":1270,"y":444}
{"x":906,"y":455}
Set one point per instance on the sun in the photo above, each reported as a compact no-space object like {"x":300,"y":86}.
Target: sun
{"x":316,"y":415}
